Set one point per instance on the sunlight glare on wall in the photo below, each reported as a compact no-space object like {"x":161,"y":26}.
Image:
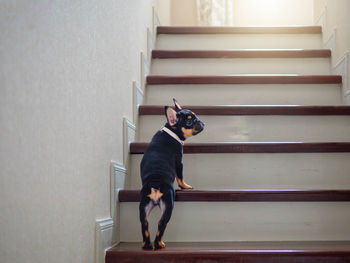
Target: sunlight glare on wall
{"x":273,"y":12}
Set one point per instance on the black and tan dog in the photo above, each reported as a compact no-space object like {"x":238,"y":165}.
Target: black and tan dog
{"x":160,"y":165}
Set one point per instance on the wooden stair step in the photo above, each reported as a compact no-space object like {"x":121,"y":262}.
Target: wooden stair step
{"x":254,"y":147}
{"x":244,"y":252}
{"x":239,"y":30}
{"x":252,"y":110}
{"x":244,"y":79}
{"x":282,"y":53}
{"x":248,"y":195}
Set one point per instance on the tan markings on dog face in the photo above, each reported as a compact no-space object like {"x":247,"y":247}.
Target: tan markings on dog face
{"x":187,"y":132}
{"x":189,"y":117}
{"x":155,"y":195}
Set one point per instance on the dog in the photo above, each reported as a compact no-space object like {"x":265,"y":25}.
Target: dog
{"x":161,"y":165}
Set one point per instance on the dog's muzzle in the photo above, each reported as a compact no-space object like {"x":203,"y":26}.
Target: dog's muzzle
{"x":198,"y":127}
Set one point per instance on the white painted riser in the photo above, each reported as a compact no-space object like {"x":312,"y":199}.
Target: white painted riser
{"x":247,"y":94}
{"x":311,"y":66}
{"x":260,"y":170}
{"x":237,"y":41}
{"x":244,"y":221}
{"x":259,"y":128}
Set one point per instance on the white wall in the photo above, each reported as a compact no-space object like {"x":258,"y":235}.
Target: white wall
{"x":65,"y":83}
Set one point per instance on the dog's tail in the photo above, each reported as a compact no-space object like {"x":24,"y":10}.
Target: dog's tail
{"x":155,"y":194}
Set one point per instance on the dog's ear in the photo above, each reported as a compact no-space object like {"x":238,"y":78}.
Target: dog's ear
{"x":177,"y":105}
{"x":170,"y":114}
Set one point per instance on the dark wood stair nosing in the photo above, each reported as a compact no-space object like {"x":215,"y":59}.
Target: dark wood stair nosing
{"x":239,"y":30}
{"x":254,"y":147}
{"x":253,"y":252}
{"x":287,"y":53}
{"x":250,"y":195}
{"x":252,"y":110}
{"x":243,"y":79}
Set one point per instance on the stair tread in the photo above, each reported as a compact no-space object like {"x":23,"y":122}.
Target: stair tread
{"x":239,"y":30}
{"x":268,"y":246}
{"x":254,"y":147}
{"x":244,"y":79}
{"x":252,"y":110}
{"x":248,"y":195}
{"x":252,"y":53}
{"x":290,"y":251}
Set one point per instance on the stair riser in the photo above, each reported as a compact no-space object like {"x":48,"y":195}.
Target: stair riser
{"x":237,"y":41}
{"x":231,"y":94}
{"x":239,"y":171}
{"x":312,"y":66}
{"x":244,"y":221}
{"x":259,"y":128}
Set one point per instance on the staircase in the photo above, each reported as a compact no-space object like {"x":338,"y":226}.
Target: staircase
{"x":270,"y":170}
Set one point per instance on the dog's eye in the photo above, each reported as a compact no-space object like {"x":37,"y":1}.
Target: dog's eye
{"x":189,"y":122}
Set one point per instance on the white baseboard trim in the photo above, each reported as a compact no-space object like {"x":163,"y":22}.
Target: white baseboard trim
{"x":341,"y":68}
{"x":155,"y":21}
{"x":107,"y":230}
{"x":145,"y":69}
{"x":118,"y":176}
{"x":150,"y":44}
{"x":321,"y":21}
{"x":129,"y":133}
{"x":330,"y":42}
{"x":137,"y":100}
{"x":104,"y":234}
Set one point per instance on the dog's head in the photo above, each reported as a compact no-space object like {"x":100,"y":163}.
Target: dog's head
{"x":183,"y":122}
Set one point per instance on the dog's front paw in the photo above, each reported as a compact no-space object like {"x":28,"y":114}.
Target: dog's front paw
{"x":185,"y":186}
{"x":182,"y":184}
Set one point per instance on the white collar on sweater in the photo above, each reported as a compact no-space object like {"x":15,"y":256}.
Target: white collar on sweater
{"x":172,"y":134}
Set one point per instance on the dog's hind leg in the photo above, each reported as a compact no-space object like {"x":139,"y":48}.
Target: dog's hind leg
{"x":145,"y":208}
{"x":166,"y":205}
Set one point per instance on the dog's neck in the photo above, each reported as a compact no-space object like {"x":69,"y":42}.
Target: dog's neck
{"x":173,"y":132}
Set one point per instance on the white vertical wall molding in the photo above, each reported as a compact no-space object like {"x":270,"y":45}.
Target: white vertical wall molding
{"x":129,"y":131}
{"x":137,"y":100}
{"x":341,"y":68}
{"x":107,"y":230}
{"x":330,"y":44}
{"x":321,"y":21}
{"x":104,"y":233}
{"x":145,"y":69}
{"x":118,"y":174}
{"x":155,"y":22}
{"x":150,"y":44}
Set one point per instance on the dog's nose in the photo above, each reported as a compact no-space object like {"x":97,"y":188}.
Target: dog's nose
{"x":199,"y":126}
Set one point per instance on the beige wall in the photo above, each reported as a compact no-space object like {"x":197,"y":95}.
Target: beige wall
{"x":183,"y":12}
{"x":337,"y":17}
{"x":164,"y":11}
{"x":273,"y":12}
{"x":65,"y":83}
{"x":250,"y":12}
